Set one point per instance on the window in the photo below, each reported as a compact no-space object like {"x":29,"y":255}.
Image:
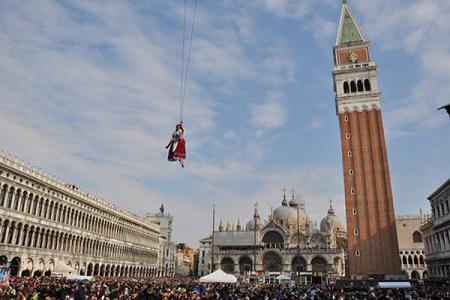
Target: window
{"x":355,"y":231}
{"x":360,"y":86}
{"x":346,"y":88}
{"x":350,"y":172}
{"x":355,"y":211}
{"x":349,"y":153}
{"x":352,"y":191}
{"x":357,"y":253}
{"x":417,"y":237}
{"x":347,"y":136}
{"x":367,"y":84}
{"x":346,"y":118}
{"x":353,"y":87}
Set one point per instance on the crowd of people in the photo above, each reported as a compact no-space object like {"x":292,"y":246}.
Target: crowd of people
{"x":184,"y":288}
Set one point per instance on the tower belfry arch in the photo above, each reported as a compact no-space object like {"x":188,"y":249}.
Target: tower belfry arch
{"x":371,"y":231}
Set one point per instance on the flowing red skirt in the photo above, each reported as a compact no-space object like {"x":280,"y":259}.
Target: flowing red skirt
{"x":180,"y":151}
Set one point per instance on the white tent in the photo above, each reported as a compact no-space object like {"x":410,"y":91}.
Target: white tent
{"x":394,"y":285}
{"x":79,"y":277}
{"x":283,"y":277}
{"x":219,"y":276}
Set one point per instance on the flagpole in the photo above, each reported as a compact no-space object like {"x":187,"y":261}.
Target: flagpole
{"x":212,"y":243}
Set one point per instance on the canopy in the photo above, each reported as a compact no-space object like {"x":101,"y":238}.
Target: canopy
{"x":218,"y":276}
{"x":394,"y":284}
{"x":79,"y":277}
{"x":283,"y":277}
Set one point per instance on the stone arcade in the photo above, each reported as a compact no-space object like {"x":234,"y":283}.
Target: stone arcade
{"x":49,"y":226}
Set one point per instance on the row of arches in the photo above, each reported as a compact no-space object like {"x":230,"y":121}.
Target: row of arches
{"x":27,"y":202}
{"x":272,"y":261}
{"x":438,"y":242}
{"x":412,"y":260}
{"x":42,"y":267}
{"x":19,"y":233}
{"x":440,"y":271}
{"x":357,"y":86}
{"x":415,"y":274}
{"x":274,"y":239}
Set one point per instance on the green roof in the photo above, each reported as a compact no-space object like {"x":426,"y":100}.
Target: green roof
{"x":349,"y":30}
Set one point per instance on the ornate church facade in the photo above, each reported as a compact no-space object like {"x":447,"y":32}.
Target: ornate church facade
{"x":286,"y":242}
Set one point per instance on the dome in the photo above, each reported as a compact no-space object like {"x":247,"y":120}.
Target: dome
{"x":250,"y":225}
{"x":331,"y":222}
{"x":288,"y":215}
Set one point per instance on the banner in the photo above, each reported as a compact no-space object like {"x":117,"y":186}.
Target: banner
{"x":4,"y":274}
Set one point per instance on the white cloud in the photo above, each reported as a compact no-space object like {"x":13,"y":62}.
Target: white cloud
{"x":418,"y":28}
{"x":289,"y":9}
{"x":316,"y":123}
{"x":269,"y":114}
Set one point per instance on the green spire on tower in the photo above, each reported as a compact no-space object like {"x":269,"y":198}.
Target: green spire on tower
{"x":349,"y":31}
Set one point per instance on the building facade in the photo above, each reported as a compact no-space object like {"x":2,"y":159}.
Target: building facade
{"x":204,"y":256}
{"x":184,"y":260}
{"x":286,"y":241}
{"x":372,"y":236}
{"x":167,"y":248}
{"x":49,"y":226}
{"x":436,"y":233}
{"x":411,"y":246}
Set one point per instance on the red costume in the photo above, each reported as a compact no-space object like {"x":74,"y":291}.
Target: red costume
{"x":177,"y":146}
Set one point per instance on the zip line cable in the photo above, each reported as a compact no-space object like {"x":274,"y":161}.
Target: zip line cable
{"x":185,"y":67}
{"x":182,"y":61}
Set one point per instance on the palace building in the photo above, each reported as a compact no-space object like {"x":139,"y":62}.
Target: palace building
{"x":286,"y":242}
{"x":372,"y":237}
{"x":411,"y":245}
{"x":436,"y":233}
{"x":48,"y":226}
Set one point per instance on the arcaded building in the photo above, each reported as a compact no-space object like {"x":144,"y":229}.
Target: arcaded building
{"x":50,"y":226}
{"x":286,"y":242}
{"x":411,"y":245}
{"x":372,"y":236}
{"x":436,"y":233}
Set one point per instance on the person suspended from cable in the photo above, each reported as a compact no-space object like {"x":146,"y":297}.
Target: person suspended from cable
{"x":177,"y":145}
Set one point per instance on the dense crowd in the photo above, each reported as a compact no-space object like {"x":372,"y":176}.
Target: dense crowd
{"x":184,"y":288}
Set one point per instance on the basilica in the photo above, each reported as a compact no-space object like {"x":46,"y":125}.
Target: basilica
{"x":286,"y":242}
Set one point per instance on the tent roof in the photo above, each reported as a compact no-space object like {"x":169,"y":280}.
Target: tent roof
{"x":283,"y":277}
{"x":218,"y":276}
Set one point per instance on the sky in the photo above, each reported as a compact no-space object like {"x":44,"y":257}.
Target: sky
{"x":89,"y":92}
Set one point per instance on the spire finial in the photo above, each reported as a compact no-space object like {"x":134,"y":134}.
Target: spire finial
{"x":284,"y":193}
{"x":331,"y":203}
{"x":344,"y":2}
{"x":293,"y":194}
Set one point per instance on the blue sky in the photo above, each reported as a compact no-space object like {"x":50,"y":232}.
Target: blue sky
{"x":89,"y":92}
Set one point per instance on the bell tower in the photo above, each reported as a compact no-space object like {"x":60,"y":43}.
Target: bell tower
{"x":371,"y":231}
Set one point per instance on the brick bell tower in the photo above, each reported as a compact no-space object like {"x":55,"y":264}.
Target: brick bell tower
{"x":371,"y":231}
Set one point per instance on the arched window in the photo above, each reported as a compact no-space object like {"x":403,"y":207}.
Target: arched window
{"x":417,"y":237}
{"x":353,"y":87}
{"x":360,"y":86}
{"x":367,"y":85}
{"x":346,"y":88}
